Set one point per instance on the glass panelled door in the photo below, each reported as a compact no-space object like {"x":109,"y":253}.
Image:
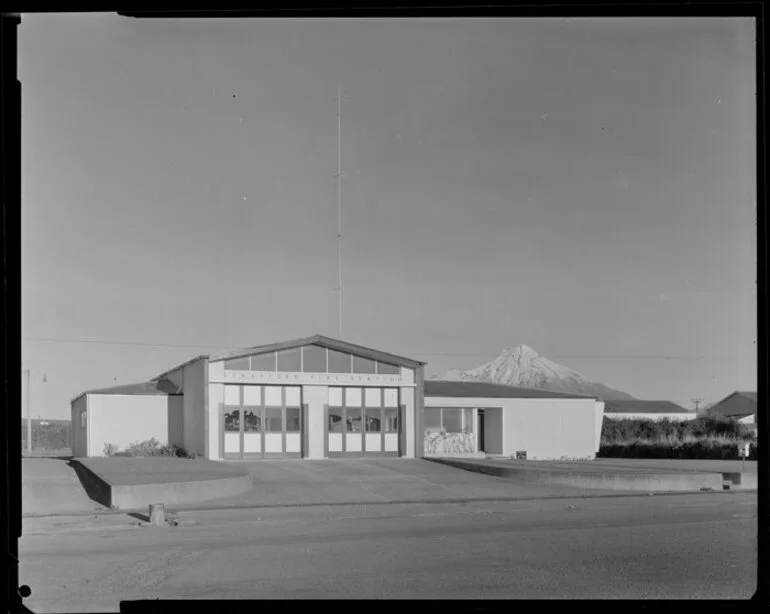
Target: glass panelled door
{"x":262,"y":421}
{"x":362,"y":422}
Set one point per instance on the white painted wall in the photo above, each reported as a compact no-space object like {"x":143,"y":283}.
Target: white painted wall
{"x":315,"y":397}
{"x":216,"y":399}
{"x":195,"y":410}
{"x":748,"y":420}
{"x":126,"y":419}
{"x":79,"y":435}
{"x":680,"y":417}
{"x":550,"y":429}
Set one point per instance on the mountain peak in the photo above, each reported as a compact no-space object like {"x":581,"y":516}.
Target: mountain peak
{"x":521,"y":365}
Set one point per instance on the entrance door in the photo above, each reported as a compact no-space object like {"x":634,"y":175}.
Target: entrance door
{"x":482,"y":446}
{"x":262,"y":422}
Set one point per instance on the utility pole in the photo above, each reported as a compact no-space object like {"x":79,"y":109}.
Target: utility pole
{"x":697,"y":403}
{"x":29,"y":416}
{"x":339,"y":200}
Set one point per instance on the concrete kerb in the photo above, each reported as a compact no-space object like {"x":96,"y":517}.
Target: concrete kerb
{"x":214,"y":507}
{"x":653,"y":481}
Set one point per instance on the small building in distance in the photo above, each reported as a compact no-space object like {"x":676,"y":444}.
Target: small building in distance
{"x":739,"y":405}
{"x":646,"y":410}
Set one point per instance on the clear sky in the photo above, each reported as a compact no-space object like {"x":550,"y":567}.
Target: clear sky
{"x":585,"y":187}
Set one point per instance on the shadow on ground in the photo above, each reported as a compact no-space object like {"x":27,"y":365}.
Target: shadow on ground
{"x":95,"y":488}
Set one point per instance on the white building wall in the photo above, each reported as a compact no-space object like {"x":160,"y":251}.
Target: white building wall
{"x":195,"y":411}
{"x":125,"y":419}
{"x":550,"y":429}
{"x":680,"y":417}
{"x":79,"y":435}
{"x":315,"y":397}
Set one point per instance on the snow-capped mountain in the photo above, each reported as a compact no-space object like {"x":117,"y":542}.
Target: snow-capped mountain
{"x":523,"y":366}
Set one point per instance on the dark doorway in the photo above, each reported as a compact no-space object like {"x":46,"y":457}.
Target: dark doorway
{"x":482,"y":446}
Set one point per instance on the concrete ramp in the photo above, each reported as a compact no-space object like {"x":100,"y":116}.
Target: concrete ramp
{"x":134,"y":483}
{"x":51,"y":486}
{"x":592,"y":476}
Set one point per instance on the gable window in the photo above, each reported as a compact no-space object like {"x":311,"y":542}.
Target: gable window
{"x":290,"y":360}
{"x":339,"y":362}
{"x":313,"y":359}
{"x":263,"y":362}
{"x":237,"y":364}
{"x":384,"y":368}
{"x":362,"y":365}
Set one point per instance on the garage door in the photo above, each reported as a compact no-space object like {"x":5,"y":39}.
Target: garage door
{"x":262,"y":422}
{"x":363,"y":422}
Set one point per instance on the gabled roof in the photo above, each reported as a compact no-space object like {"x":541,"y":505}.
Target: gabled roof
{"x":328,"y":342}
{"x":443,"y":388}
{"x":643,"y":407}
{"x":162,"y":387}
{"x":745,"y":401}
{"x":184,"y":364}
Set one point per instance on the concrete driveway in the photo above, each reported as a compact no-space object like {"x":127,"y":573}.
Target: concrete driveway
{"x":51,"y":486}
{"x":386,"y":480}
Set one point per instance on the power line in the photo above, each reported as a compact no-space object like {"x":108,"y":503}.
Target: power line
{"x":481,"y":354}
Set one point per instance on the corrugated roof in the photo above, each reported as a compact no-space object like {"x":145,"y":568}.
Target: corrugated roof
{"x":443,"y":388}
{"x":643,"y":407}
{"x":749,"y":395}
{"x":162,"y":387}
{"x":334,"y":344}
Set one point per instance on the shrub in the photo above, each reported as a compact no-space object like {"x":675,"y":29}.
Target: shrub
{"x":689,"y":447}
{"x":149,"y":447}
{"x":110,"y":449}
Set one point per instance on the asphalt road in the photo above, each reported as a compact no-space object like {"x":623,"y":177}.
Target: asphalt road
{"x":661,"y":547}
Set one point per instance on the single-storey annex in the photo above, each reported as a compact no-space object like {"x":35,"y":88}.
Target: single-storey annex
{"x":319,"y":397}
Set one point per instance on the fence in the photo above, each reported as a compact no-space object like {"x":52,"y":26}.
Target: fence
{"x":47,"y":439}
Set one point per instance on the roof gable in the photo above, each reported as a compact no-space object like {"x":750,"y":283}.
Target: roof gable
{"x":327,"y":342}
{"x":469,"y":389}
{"x":152,"y":388}
{"x":643,"y":407}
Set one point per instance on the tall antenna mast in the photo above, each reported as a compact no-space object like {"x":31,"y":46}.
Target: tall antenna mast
{"x":339,"y":200}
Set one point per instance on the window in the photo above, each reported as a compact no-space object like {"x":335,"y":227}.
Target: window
{"x":232,"y":395}
{"x":452,"y":420}
{"x":83,"y":417}
{"x":292,"y":396}
{"x":251,"y":421}
{"x":372,"y":397}
{"x":335,"y":420}
{"x":313,"y":359}
{"x":290,"y":360}
{"x":448,"y":419}
{"x":432,"y":417}
{"x":292,"y":419}
{"x":391,"y":397}
{"x":339,"y":362}
{"x":373,"y":420}
{"x":353,"y":419}
{"x":237,"y":364}
{"x":391,"y":420}
{"x":273,"y":419}
{"x":273,"y":395}
{"x":383,"y":368}
{"x":353,"y":397}
{"x":233,"y":421}
{"x":263,"y":362}
{"x":335,"y":397}
{"x":468,"y":420}
{"x":362,"y":365}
